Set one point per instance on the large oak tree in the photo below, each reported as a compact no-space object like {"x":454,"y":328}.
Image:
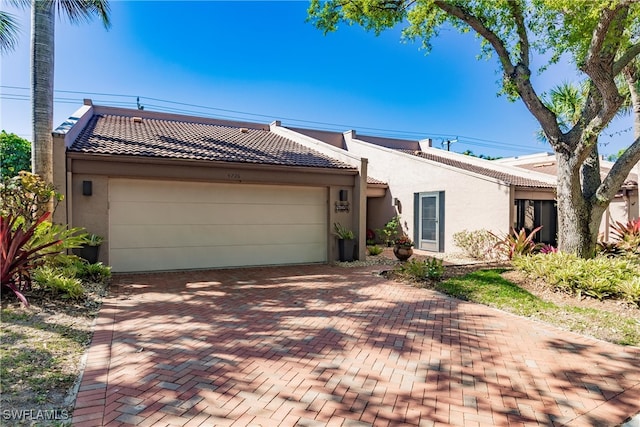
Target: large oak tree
{"x":602,"y":38}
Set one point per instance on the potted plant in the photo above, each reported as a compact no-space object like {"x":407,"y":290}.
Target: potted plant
{"x":402,"y":247}
{"x":91,"y":248}
{"x":346,"y":242}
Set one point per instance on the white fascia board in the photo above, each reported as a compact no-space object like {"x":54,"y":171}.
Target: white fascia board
{"x":315,"y":144}
{"x":529,"y":158}
{"x":489,"y":164}
{"x":391,"y":152}
{"x":72,"y":127}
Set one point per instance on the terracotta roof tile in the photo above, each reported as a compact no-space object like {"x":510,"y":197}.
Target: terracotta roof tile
{"x":124,"y":135}
{"x":512,"y":179}
{"x":371,"y":180}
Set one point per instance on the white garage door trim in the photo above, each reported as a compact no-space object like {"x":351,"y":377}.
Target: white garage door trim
{"x":167,"y":225}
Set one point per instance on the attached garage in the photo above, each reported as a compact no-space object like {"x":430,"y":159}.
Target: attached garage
{"x":171,"y":192}
{"x":164,"y":225}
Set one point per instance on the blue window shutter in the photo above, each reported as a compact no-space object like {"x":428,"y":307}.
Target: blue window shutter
{"x":441,"y":221}
{"x":416,"y":220}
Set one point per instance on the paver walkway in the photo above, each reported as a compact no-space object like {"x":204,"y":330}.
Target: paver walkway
{"x":330,"y":346}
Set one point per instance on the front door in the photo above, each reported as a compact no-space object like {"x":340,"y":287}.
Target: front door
{"x":428,"y":221}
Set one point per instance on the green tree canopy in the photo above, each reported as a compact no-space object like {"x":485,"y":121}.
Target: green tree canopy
{"x":15,"y":155}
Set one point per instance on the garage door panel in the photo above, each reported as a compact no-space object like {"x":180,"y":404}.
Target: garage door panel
{"x":201,"y":213}
{"x":222,"y":256}
{"x":187,"y":192}
{"x":156,"y":225}
{"x":157,"y":236}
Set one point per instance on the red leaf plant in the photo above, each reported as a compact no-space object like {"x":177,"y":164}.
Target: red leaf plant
{"x":17,"y":259}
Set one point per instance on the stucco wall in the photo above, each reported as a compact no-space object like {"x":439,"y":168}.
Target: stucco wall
{"x":92,"y":211}
{"x":471,"y":201}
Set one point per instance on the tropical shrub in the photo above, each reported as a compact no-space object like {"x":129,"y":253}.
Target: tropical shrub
{"x":431,"y":269}
{"x":390,"y":230}
{"x":518,"y":243}
{"x":598,"y":277}
{"x":26,"y":196}
{"x":374,"y":250}
{"x":58,"y":282}
{"x":478,"y":244}
{"x":627,"y":236}
{"x":18,"y":256}
{"x":15,"y":155}
{"x":548,"y":249}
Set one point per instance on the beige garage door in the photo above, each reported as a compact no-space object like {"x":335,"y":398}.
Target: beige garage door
{"x":163,"y":225}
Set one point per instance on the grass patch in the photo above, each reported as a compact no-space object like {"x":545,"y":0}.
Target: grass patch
{"x":38,"y":360}
{"x":488,"y":287}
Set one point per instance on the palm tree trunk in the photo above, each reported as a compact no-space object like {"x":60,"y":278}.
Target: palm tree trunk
{"x":42,"y":58}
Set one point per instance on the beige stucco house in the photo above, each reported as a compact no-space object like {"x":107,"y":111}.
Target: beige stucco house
{"x":171,"y":192}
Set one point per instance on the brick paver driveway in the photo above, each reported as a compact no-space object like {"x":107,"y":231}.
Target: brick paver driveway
{"x":322,"y":345}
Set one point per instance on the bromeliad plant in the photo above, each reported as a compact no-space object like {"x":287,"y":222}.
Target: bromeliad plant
{"x":518,"y":243}
{"x":627,"y":235}
{"x":17,"y":256}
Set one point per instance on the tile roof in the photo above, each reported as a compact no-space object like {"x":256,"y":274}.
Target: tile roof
{"x":150,"y":137}
{"x":513,"y":179}
{"x":551,"y":168}
{"x":371,"y":180}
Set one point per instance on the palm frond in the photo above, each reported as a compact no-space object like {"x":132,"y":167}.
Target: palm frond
{"x":9,"y":31}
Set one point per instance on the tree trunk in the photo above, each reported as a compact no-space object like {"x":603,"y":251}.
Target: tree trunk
{"x":578,"y":219}
{"x":42,"y":58}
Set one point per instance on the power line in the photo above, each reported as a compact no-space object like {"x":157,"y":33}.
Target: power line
{"x":317,"y":125}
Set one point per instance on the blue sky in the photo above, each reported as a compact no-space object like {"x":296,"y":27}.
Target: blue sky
{"x":260,"y":61}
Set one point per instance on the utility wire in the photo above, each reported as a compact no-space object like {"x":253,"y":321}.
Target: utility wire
{"x":317,"y":125}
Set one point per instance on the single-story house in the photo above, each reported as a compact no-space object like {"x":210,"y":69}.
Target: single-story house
{"x":171,"y":192}
{"x":438,"y":193}
{"x":623,"y":207}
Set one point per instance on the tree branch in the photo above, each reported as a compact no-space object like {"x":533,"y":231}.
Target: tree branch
{"x":630,"y":54}
{"x":618,"y":173}
{"x":518,"y":73}
{"x":518,"y":17}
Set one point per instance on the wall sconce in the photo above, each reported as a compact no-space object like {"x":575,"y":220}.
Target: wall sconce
{"x":398,"y":204}
{"x":344,"y":195}
{"x":87,"y":188}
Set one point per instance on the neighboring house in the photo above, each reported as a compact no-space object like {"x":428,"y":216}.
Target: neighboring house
{"x":439,"y":193}
{"x":623,"y":207}
{"x":171,"y":192}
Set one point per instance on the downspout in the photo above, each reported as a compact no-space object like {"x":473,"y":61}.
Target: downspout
{"x":360,"y":211}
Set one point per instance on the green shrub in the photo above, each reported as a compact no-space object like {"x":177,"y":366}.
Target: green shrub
{"x":430,"y":268}
{"x":55,"y":280}
{"x":15,"y":154}
{"x":478,"y":244}
{"x":95,"y":273}
{"x":27,"y":196}
{"x":390,"y":230}
{"x":374,"y":250}
{"x":599,"y":277}
{"x":630,"y":290}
